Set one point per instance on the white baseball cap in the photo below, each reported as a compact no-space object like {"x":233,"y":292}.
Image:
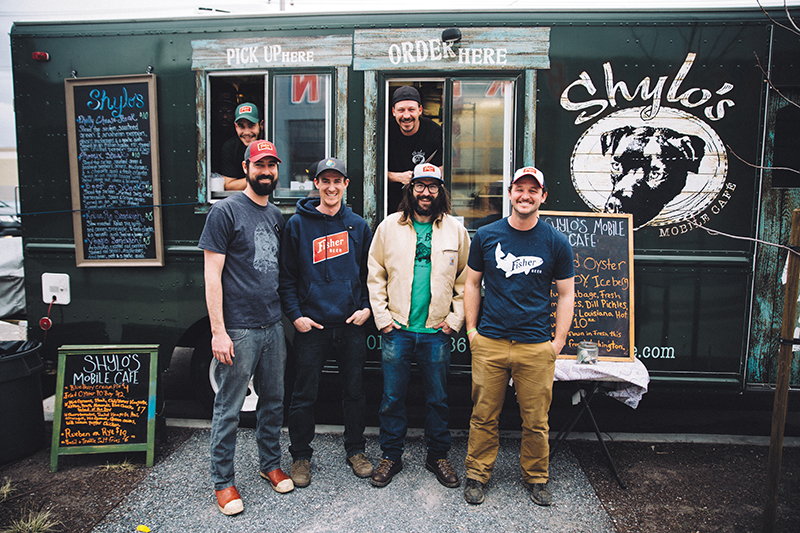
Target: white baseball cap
{"x":529,"y":171}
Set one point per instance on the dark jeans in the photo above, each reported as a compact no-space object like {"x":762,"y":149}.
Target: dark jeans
{"x":431,"y":351}
{"x":348,"y":344}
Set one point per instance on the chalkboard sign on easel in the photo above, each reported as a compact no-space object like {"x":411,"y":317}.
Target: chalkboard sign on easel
{"x":105,"y":400}
{"x":602,"y":245}
{"x":112,"y":132}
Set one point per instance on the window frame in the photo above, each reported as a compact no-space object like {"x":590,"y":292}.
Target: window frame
{"x":336,"y":82}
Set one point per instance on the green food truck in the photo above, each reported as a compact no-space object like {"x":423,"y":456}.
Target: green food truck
{"x":687,"y":121}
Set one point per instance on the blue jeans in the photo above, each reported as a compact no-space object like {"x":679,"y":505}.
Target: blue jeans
{"x":431,"y":352}
{"x":259,"y":353}
{"x":348,"y":344}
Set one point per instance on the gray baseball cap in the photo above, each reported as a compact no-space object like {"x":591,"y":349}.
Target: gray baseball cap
{"x":331,"y":163}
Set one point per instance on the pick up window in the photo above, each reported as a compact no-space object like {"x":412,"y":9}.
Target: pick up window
{"x":295,"y":113}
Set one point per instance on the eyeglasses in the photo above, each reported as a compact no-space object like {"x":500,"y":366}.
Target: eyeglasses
{"x":433,"y":188}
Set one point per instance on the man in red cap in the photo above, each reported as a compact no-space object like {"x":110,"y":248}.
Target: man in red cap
{"x":517,"y":258}
{"x":241,"y":242}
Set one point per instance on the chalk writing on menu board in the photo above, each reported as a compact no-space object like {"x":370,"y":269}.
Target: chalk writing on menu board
{"x":114,"y":148}
{"x":602,"y":247}
{"x":105,"y":399}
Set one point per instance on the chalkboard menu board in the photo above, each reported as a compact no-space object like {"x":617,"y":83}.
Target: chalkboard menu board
{"x":602,"y":245}
{"x":112,"y":131}
{"x":105,"y":400}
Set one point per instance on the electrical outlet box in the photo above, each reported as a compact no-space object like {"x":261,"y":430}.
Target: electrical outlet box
{"x":55,"y":285}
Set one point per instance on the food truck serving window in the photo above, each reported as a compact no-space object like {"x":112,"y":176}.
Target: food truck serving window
{"x":476,"y":116}
{"x":292,"y":110}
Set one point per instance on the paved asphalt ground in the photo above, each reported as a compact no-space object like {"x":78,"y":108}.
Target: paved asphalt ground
{"x":177,"y":497}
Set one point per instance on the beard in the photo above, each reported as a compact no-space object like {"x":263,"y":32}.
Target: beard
{"x":430,"y":210}
{"x":262,"y":189}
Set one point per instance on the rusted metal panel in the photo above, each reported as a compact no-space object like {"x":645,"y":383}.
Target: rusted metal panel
{"x":370,"y":152}
{"x":479,"y":49}
{"x":272,"y":52}
{"x":529,"y":144}
{"x":200,"y":117}
{"x":775,"y":227}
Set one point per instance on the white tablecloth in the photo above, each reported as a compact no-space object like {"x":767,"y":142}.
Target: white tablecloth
{"x":626,"y":382}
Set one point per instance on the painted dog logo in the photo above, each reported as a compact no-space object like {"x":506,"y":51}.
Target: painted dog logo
{"x":649,"y":167}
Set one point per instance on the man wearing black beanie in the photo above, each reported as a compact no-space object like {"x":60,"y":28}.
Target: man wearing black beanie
{"x":413,"y":139}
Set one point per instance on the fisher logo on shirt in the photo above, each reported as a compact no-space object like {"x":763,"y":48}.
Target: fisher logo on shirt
{"x":338,"y":244}
{"x":511,"y":264}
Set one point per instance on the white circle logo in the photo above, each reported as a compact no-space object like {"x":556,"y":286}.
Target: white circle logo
{"x":663,"y":171}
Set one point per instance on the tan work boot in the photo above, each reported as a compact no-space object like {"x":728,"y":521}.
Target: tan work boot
{"x":301,"y":473}
{"x":360,"y":465}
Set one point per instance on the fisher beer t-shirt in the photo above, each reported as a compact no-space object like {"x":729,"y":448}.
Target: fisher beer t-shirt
{"x":518,"y":270}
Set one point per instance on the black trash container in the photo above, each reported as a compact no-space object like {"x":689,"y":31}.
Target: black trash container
{"x":22,"y":430}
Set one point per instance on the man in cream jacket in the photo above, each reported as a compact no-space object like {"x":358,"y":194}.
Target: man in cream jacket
{"x":417,"y":270}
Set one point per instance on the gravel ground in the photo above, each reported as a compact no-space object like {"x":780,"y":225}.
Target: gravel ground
{"x":176,"y":495}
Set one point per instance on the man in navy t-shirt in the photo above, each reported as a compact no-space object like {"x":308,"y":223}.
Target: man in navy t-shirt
{"x":517,"y":259}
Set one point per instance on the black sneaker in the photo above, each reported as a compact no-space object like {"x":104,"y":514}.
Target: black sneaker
{"x":473,"y":491}
{"x":539,"y":493}
{"x":383,"y":475}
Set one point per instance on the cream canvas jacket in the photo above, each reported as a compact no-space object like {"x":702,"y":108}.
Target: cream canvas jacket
{"x":391,"y":271}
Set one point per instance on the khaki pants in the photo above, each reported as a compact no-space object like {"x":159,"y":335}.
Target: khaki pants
{"x":532,"y":367}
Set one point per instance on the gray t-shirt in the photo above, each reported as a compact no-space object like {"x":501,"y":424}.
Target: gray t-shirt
{"x":249,"y":236}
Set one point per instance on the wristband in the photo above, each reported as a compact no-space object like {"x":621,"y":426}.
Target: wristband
{"x":471,"y":330}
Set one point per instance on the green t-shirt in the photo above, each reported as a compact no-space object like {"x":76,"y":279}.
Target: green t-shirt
{"x":421,"y":286}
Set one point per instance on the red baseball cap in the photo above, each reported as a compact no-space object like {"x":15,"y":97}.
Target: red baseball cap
{"x":259,"y":150}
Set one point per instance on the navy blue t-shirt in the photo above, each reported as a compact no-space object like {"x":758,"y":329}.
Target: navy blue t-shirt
{"x":249,"y":236}
{"x":518,"y":269}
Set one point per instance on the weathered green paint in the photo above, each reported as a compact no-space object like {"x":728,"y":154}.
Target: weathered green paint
{"x":693,"y":291}
{"x":341,"y":95}
{"x":370,"y":153}
{"x":340,"y":119}
{"x":777,"y":206}
{"x":529,"y":110}
{"x":202,"y":156}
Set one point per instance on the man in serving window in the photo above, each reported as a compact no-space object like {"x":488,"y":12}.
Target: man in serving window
{"x":413,"y":140}
{"x":248,"y":129}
